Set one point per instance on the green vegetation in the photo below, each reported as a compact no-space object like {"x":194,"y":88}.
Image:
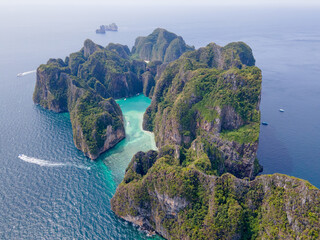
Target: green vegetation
{"x":238,"y":52}
{"x":56,"y":73}
{"x":205,"y":116}
{"x":269,"y":207}
{"x":75,"y":60}
{"x":82,"y":85}
{"x":159,"y":45}
{"x":94,"y":115}
{"x":245,"y":134}
{"x":206,"y":119}
{"x":196,"y":98}
{"x":189,"y":93}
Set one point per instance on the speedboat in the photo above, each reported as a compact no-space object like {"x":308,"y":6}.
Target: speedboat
{"x":264,"y":123}
{"x":281,"y":110}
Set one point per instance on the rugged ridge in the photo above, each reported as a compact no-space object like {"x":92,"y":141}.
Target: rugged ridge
{"x":76,"y":86}
{"x":51,"y":86}
{"x":207,"y":101}
{"x":97,"y":124}
{"x":98,"y":74}
{"x":202,"y":184}
{"x":185,"y":203}
{"x":160,"y":45}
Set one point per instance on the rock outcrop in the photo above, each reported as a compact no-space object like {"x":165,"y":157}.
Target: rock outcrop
{"x":206,"y":119}
{"x":97,"y":74}
{"x":103,"y":73}
{"x":150,"y":76}
{"x":97,"y":124}
{"x":161,"y":45}
{"x":184,"y":203}
{"x":90,"y":47}
{"x":51,"y":86}
{"x":202,"y":182}
{"x":83,"y":85}
{"x":207,"y":102}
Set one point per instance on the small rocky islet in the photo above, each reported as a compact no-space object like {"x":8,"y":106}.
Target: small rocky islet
{"x":105,"y":28}
{"x":202,"y":182}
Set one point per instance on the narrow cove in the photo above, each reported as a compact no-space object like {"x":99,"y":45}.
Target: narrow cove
{"x":118,"y":158}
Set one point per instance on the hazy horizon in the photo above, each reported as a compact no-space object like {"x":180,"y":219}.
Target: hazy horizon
{"x":261,"y":3}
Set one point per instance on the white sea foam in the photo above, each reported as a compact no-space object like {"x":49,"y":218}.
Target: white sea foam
{"x":46,"y":163}
{"x":25,"y":73}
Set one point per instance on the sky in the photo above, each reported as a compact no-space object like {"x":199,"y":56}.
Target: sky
{"x":269,"y":3}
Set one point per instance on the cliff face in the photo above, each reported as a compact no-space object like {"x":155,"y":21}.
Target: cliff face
{"x":185,"y":203}
{"x":150,"y":76}
{"x":205,"y":116}
{"x":82,"y":85}
{"x":97,"y":124}
{"x":161,"y":45}
{"x":109,"y":70}
{"x":206,"y":119}
{"x":97,"y":74}
{"x":102,"y":73}
{"x":207,"y":102}
{"x":51,"y":86}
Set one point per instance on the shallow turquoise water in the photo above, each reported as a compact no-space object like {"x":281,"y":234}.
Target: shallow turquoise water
{"x":136,"y":138}
{"x":54,"y":195}
{"x":59,"y":193}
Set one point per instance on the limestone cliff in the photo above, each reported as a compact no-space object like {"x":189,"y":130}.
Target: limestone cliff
{"x":207,"y":102}
{"x":109,"y":71}
{"x":150,"y":76}
{"x":97,"y":124}
{"x":96,"y":118}
{"x":206,"y":119}
{"x":185,"y":203}
{"x":205,"y":116}
{"x":51,"y":86}
{"x":97,"y":74}
{"x":160,"y":45}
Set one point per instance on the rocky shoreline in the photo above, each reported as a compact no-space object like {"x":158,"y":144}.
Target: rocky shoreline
{"x":202,"y":182}
{"x":87,"y":82}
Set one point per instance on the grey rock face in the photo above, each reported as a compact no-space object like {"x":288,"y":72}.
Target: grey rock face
{"x":161,"y":45}
{"x":90,"y":47}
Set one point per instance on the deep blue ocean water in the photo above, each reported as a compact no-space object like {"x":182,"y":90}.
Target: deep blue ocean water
{"x":54,"y":192}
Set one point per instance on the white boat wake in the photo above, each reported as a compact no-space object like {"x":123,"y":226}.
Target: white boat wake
{"x":45,"y":163}
{"x":25,"y":73}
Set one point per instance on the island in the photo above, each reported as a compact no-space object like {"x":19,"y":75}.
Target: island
{"x":202,"y":182}
{"x":111,"y":27}
{"x":86,"y":83}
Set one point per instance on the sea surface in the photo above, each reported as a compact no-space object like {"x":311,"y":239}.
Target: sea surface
{"x":49,"y":190}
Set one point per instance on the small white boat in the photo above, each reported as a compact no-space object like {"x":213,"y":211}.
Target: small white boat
{"x":281,"y":110}
{"x":25,"y":73}
{"x":125,"y":99}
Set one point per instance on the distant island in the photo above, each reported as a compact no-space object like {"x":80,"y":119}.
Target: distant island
{"x":103,"y":28}
{"x":203,"y":181}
